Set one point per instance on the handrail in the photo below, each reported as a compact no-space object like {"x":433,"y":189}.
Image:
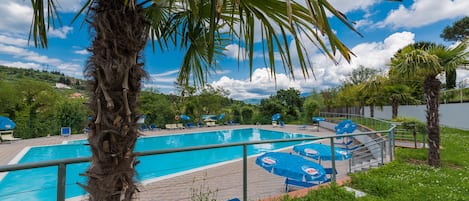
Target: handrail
{"x":63,"y":162}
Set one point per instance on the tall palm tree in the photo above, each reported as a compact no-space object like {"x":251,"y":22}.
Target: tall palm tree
{"x":120,"y":31}
{"x":429,"y":62}
{"x":371,"y":90}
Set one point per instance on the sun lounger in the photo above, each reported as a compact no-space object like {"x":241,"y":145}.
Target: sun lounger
{"x":4,"y":137}
{"x":274,"y":123}
{"x":180,"y":126}
{"x":211,"y":123}
{"x":171,"y":126}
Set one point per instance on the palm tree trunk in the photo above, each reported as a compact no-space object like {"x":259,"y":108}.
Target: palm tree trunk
{"x":432,"y":93}
{"x":115,"y":75}
{"x":395,"y":108}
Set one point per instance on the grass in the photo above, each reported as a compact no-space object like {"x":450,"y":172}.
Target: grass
{"x":408,"y":178}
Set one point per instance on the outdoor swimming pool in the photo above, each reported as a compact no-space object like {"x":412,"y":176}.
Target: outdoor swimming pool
{"x":40,"y":183}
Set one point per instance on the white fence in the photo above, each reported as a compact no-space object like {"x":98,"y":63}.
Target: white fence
{"x":453,"y":115}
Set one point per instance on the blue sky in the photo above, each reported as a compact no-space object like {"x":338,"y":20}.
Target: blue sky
{"x":386,"y":27}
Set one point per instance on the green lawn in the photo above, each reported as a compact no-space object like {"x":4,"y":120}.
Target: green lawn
{"x":409,"y":178}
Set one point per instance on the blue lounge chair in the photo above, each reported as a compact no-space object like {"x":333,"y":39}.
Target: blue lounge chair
{"x":190,"y":125}
{"x":153,"y":127}
{"x":143,"y":127}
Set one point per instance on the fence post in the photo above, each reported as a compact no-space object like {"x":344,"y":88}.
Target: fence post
{"x":245,"y":173}
{"x":391,"y":144}
{"x":382,"y":152}
{"x":61,"y":179}
{"x":333,"y":160}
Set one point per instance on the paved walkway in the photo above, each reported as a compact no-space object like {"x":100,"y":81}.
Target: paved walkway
{"x":224,"y":181}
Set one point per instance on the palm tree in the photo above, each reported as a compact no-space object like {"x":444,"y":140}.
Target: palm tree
{"x":397,"y":94}
{"x":120,"y":31}
{"x":429,"y":62}
{"x":371,"y":90}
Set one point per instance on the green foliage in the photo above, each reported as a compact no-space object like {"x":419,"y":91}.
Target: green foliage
{"x":15,"y":74}
{"x":71,"y":113}
{"x":332,"y":193}
{"x":157,"y":108}
{"x":458,"y":31}
{"x":311,"y":107}
{"x":409,"y":123}
{"x":291,"y":102}
{"x":361,"y":74}
{"x":267,"y":108}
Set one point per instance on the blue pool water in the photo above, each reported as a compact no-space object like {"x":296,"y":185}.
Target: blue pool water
{"x":40,"y":183}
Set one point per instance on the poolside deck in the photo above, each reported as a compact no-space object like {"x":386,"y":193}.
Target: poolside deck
{"x":225,"y":181}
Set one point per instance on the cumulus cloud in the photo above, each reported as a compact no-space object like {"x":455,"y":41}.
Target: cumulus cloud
{"x":259,"y":87}
{"x":233,"y":51}
{"x":424,"y":12}
{"x":373,"y":55}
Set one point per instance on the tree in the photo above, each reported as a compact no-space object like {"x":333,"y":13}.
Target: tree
{"x":398,"y":94}
{"x":291,"y":101}
{"x":120,"y":30}
{"x":361,"y":74}
{"x":269,"y":107}
{"x":71,"y":113}
{"x":371,"y":90}
{"x":429,"y":62}
{"x":458,"y":31}
{"x":348,"y":97}
{"x":330,"y":98}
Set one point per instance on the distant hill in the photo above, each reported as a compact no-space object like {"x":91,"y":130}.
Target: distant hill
{"x":14,"y":74}
{"x":253,"y":101}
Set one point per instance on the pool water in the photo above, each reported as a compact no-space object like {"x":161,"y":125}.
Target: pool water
{"x":40,"y":183}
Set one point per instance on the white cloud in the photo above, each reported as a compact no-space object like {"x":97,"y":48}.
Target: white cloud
{"x":13,"y":41}
{"x":61,"y":32}
{"x":18,"y":64}
{"x":347,"y":6}
{"x":425,"y":12}
{"x":372,"y":55}
{"x":259,"y":87}
{"x":82,"y":52}
{"x":16,"y":17}
{"x":233,"y":51}
{"x":69,"y":5}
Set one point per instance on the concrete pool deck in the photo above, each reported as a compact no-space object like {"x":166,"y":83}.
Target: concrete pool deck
{"x":224,"y":181}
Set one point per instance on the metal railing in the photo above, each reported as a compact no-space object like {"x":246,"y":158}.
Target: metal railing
{"x":408,"y":133}
{"x":62,"y":164}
